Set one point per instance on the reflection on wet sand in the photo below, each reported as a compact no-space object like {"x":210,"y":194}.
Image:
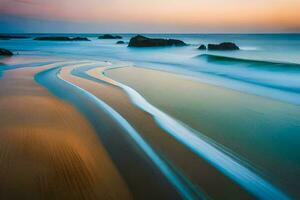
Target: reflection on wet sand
{"x":138,"y":168}
{"x":237,"y":120}
{"x":204,"y":181}
{"x":47,"y":149}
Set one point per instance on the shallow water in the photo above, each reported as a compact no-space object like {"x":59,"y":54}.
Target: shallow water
{"x":260,"y":131}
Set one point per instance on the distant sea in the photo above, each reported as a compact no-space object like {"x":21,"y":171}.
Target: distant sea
{"x":267,"y":64}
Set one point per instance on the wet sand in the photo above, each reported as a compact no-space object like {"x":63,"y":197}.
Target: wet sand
{"x":236,"y":120}
{"x":48,"y":150}
{"x":204,"y":179}
{"x":51,"y":150}
{"x":142,"y":176}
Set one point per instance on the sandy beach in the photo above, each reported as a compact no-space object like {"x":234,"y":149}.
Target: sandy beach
{"x":81,"y":145}
{"x":47,"y":149}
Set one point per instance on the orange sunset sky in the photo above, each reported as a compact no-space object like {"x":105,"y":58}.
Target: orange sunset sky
{"x":150,"y":15}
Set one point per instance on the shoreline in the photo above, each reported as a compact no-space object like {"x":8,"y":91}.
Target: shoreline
{"x":167,"y":146}
{"x":142,"y":166}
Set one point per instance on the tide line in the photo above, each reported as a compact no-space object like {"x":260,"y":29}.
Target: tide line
{"x":162,"y":165}
{"x":206,"y":149}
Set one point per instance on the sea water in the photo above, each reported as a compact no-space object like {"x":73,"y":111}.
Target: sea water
{"x":267,"y":64}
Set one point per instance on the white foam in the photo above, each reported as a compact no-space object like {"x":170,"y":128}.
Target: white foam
{"x":249,"y":48}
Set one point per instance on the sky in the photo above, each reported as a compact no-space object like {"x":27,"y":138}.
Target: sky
{"x":149,"y":16}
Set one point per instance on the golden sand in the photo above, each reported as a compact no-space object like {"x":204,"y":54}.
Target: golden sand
{"x":47,"y":149}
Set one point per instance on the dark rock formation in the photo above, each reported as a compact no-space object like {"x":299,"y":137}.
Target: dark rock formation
{"x":8,"y":37}
{"x":80,"y":39}
{"x":202,"y":47}
{"x":61,"y":39}
{"x":141,"y":41}
{"x":223,"y":46}
{"x":108,"y":36}
{"x":120,"y":42}
{"x":5,"y":52}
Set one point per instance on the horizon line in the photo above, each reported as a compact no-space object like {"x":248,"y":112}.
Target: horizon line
{"x":174,"y":33}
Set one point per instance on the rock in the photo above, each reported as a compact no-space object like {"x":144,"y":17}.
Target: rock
{"x":120,"y":42}
{"x":223,"y":46}
{"x":80,"y":39}
{"x":109,"y":36}
{"x":141,"y":41}
{"x":5,"y":52}
{"x":53,"y":38}
{"x":202,"y":47}
{"x":61,"y":39}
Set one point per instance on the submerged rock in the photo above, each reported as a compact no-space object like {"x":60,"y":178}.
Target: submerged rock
{"x":62,"y":39}
{"x":5,"y":52}
{"x":223,"y":46}
{"x":202,"y":47}
{"x":120,"y":42}
{"x":141,"y":41}
{"x":109,"y":36}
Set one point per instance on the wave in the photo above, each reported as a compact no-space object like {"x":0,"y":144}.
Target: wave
{"x":275,"y":75}
{"x":217,"y":59}
{"x":249,"y":48}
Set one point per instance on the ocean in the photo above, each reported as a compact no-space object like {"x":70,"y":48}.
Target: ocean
{"x":267,"y":64}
